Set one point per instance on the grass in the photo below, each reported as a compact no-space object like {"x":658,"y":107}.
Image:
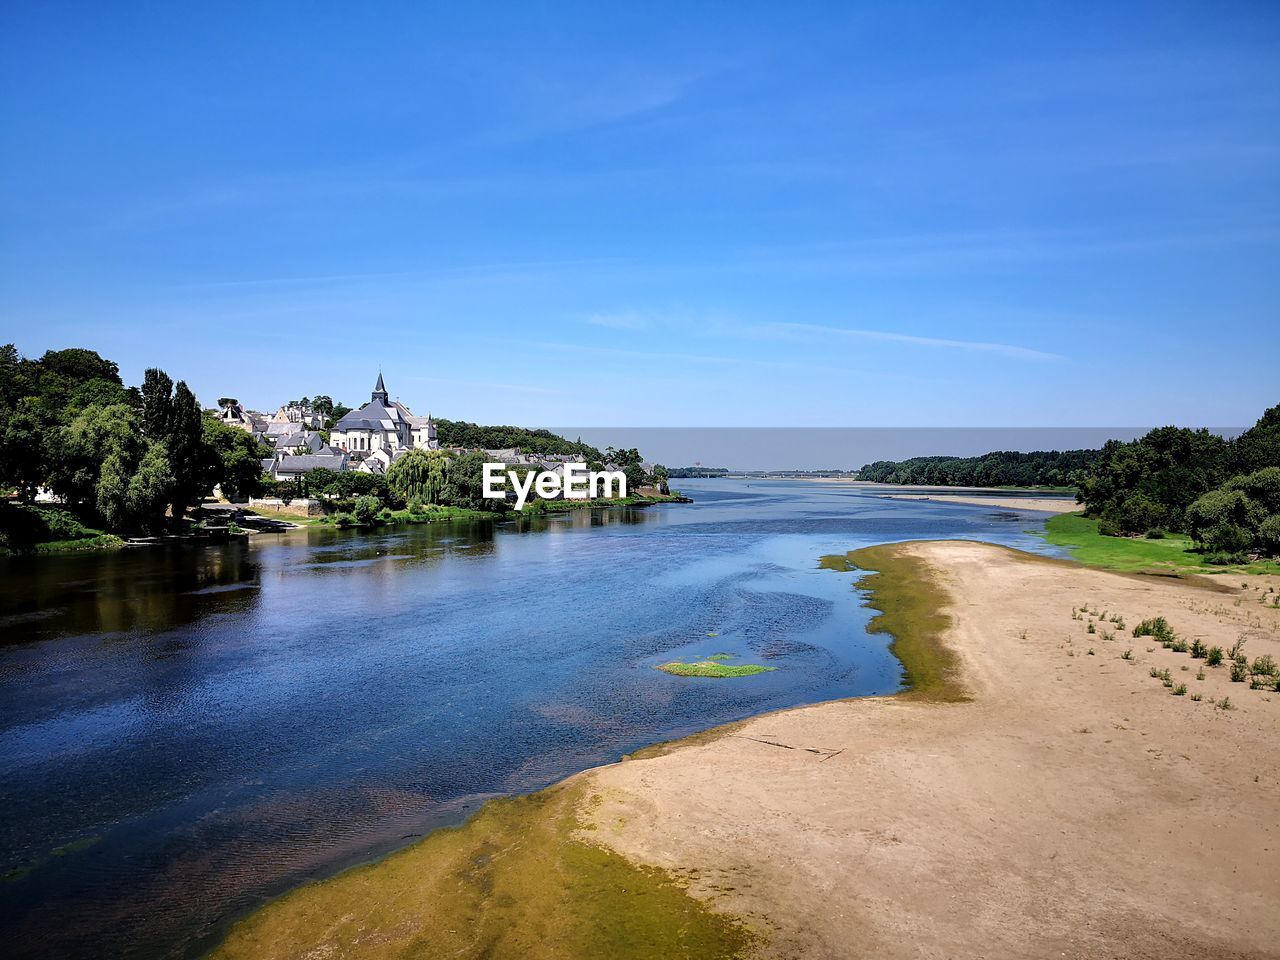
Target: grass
{"x":902,"y":588}
{"x":713,"y":666}
{"x":1172,"y":554}
{"x":515,"y":881}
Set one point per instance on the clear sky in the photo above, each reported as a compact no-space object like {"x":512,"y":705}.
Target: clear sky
{"x":701,"y":214}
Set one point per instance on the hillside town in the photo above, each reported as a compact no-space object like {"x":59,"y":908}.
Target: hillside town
{"x":366,"y":440}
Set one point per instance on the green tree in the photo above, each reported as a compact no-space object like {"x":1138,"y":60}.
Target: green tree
{"x":234,"y":458}
{"x":464,"y":486}
{"x":419,"y":475}
{"x":365,"y":510}
{"x":189,"y":460}
{"x":80,"y":449}
{"x":24,"y":450}
{"x":157,"y":403}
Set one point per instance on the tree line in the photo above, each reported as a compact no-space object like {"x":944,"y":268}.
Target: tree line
{"x":125,"y":459}
{"x":473,"y":436}
{"x":1002,"y":468}
{"x":1225,"y":493}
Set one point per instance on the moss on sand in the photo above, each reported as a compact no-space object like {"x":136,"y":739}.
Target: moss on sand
{"x":910,"y":602}
{"x":515,"y":881}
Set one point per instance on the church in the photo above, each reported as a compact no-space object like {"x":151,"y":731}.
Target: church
{"x":383,"y":425}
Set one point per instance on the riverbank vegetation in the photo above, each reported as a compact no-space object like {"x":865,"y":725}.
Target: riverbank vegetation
{"x":1169,"y":552}
{"x":1005,"y":468}
{"x":520,"y":880}
{"x":1197,"y":498}
{"x":1224,"y":494}
{"x":119,"y":460}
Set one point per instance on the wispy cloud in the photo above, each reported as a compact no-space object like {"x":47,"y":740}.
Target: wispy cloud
{"x":814,"y":330}
{"x":619,"y":321}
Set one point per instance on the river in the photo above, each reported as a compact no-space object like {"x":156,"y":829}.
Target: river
{"x":186,"y":732}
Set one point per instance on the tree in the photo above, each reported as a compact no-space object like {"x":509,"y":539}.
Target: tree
{"x":464,"y":486}
{"x":365,"y":511}
{"x":79,"y":365}
{"x":24,"y":453}
{"x":80,"y":449}
{"x":323,"y":405}
{"x":157,"y":403}
{"x":1153,"y":480}
{"x":133,"y":495}
{"x":234,"y":458}
{"x":419,"y":475}
{"x":636,"y":478}
{"x":188,"y":457}
{"x":1259,"y":446}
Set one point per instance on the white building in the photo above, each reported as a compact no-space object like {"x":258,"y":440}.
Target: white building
{"x":383,"y":424}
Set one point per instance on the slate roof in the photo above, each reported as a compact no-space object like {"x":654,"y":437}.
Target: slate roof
{"x":309,"y":462}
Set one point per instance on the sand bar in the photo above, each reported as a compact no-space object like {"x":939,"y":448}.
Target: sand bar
{"x":1043,"y":504}
{"x":1054,"y":800}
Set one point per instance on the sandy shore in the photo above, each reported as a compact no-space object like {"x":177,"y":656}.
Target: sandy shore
{"x":1044,"y":504}
{"x":1072,"y":808}
{"x":1066,"y":805}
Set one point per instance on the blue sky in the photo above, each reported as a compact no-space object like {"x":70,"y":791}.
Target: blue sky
{"x":710,"y":214}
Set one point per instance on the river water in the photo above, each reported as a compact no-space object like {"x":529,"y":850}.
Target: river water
{"x":186,"y":732}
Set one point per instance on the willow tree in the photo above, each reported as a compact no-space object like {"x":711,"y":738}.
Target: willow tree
{"x":419,"y":475}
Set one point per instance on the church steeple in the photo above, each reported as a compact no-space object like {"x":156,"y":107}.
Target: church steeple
{"x":380,"y":391}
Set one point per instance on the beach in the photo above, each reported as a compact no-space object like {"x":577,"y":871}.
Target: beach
{"x":1043,"y":504}
{"x":1049,"y":797}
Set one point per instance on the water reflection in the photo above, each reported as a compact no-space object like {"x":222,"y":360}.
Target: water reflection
{"x":184,"y":733}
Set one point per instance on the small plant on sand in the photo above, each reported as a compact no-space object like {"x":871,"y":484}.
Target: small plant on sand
{"x":1127,"y":655}
{"x":1157,"y":628}
{"x":1237,"y":648}
{"x":1108,"y":635}
{"x":1198,"y":650}
{"x":1092,"y":628}
{"x":1091,"y":653}
{"x":1196,"y":698}
{"x":1119,"y":622}
{"x":1155,"y":672}
{"x":1180,"y":690}
{"x":1179,"y":646}
{"x":1214,"y":657}
{"x":1265,"y":666}
{"x":1225,"y":704}
{"x":1199,"y":674}
{"x":1239,"y":670}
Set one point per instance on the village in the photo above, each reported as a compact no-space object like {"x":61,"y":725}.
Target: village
{"x":371,"y":438}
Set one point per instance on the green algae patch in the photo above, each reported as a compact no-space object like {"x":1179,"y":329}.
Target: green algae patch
{"x":515,"y":881}
{"x":910,"y":601}
{"x":714,"y":666}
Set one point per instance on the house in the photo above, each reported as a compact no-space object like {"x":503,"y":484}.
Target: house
{"x":299,"y":443}
{"x":298,"y":415}
{"x":383,"y":424}
{"x":378,"y":461}
{"x":289,"y":467}
{"x":233,"y":414}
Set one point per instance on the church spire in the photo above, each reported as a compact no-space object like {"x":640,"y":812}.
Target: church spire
{"x":380,"y":391}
